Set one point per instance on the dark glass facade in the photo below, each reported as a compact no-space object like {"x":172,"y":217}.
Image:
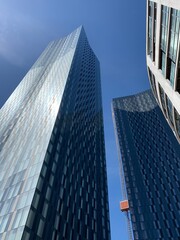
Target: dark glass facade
{"x":150,"y":159}
{"x":69,"y":197}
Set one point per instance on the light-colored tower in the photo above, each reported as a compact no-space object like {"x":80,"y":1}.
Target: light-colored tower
{"x":163,"y":57}
{"x":53,"y":182}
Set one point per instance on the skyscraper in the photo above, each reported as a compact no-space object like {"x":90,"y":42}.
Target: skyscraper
{"x":149,"y":156}
{"x":163,"y":57}
{"x":52,"y":156}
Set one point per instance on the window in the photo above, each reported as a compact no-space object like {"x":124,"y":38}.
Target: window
{"x":162,"y":96}
{"x":163,"y":62}
{"x":40,"y":228}
{"x":151,"y":29}
{"x":164,"y":37}
{"x":153,"y":83}
{"x":164,"y":27}
{"x":174,"y":34}
{"x":173,"y":45}
{"x":172,"y":73}
{"x":177,"y":121}
{"x":169,"y":108}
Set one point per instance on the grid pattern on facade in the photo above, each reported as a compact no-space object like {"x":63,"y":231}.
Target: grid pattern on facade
{"x":151,"y":165}
{"x":77,"y":209}
{"x":163,"y":48}
{"x":62,"y":192}
{"x":28,"y":117}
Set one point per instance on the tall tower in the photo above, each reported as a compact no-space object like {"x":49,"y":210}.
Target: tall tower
{"x":149,"y":157}
{"x":52,"y":156}
{"x":163,"y":57}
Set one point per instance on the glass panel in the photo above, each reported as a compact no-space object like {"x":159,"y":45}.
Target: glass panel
{"x":173,"y":44}
{"x":169,"y":108}
{"x":174,"y":34}
{"x":164,"y":27}
{"x":153,"y":83}
{"x":3,"y":223}
{"x":151,"y":29}
{"x":162,"y":98}
{"x":172,"y":73}
{"x":177,"y":121}
{"x":163,"y":63}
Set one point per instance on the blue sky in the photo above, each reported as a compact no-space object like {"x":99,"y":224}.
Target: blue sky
{"x":116,"y":32}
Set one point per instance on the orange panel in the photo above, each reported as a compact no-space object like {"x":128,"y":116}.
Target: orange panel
{"x":124,"y":205}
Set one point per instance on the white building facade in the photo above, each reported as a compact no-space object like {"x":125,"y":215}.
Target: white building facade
{"x":163,"y":57}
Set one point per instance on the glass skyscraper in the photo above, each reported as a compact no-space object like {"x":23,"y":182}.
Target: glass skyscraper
{"x":149,"y":156}
{"x":53,"y":182}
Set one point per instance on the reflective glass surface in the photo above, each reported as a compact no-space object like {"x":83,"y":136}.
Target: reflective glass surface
{"x":153,"y":83}
{"x":174,"y":33}
{"x":177,"y":121}
{"x":152,"y":8}
{"x":169,"y":109}
{"x":162,"y":97}
{"x":52,"y":157}
{"x":164,"y":26}
{"x":150,"y":158}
